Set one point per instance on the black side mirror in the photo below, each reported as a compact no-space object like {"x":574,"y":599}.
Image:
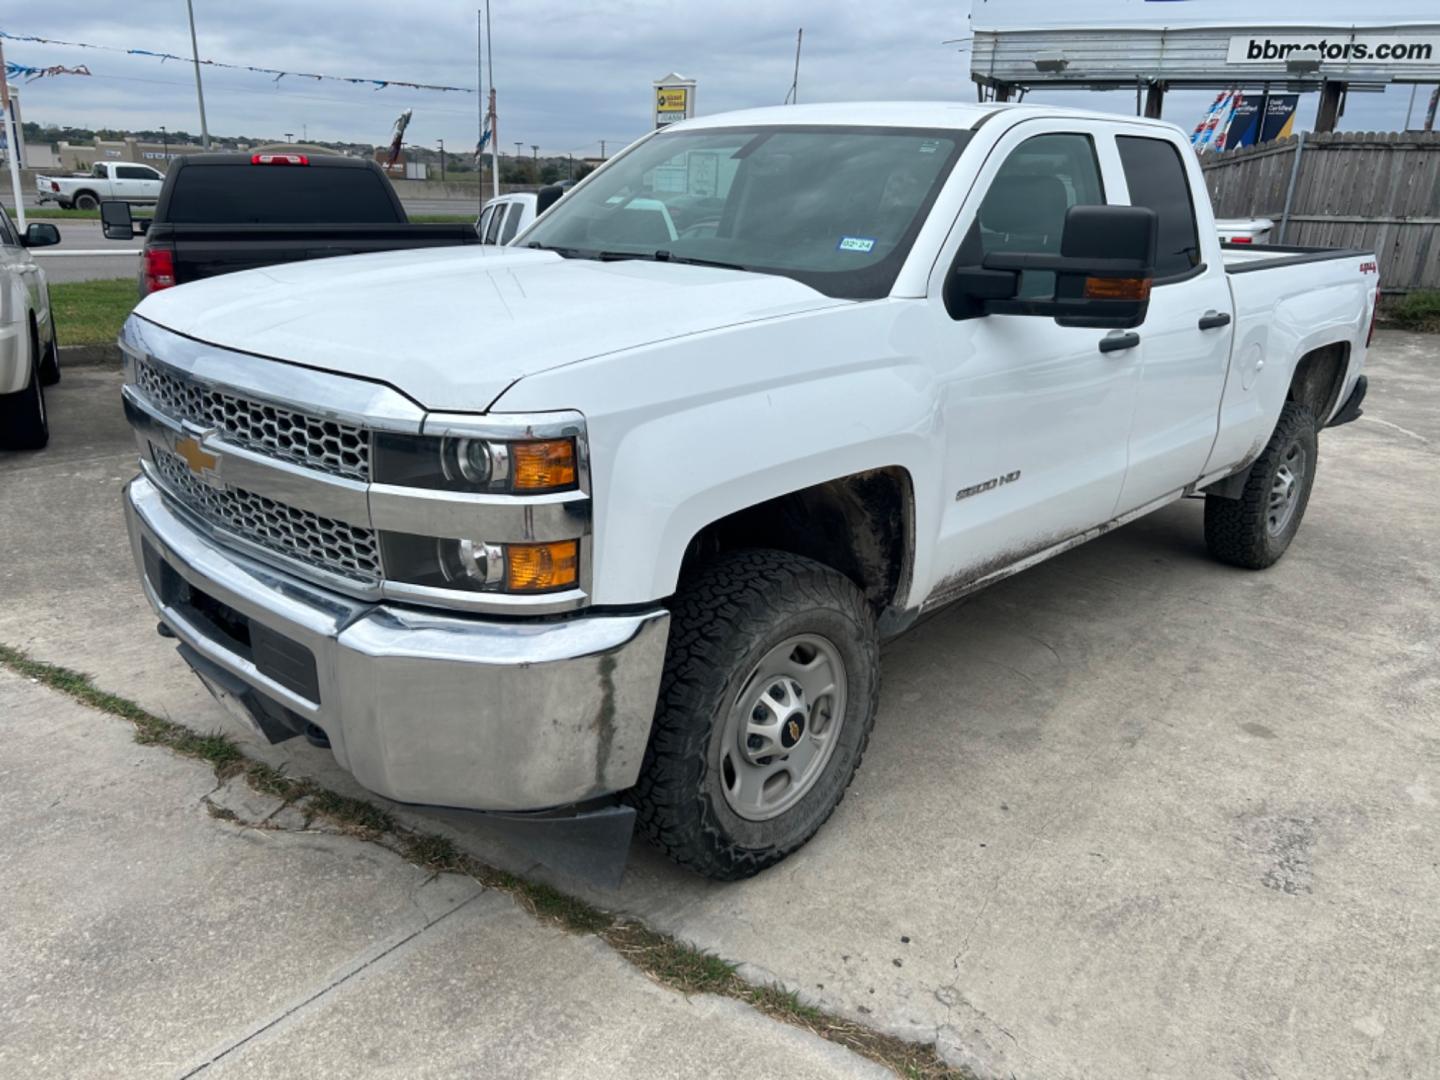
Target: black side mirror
{"x":116,"y":222}
{"x":1102,"y":274}
{"x":40,"y":234}
{"x":547,"y":197}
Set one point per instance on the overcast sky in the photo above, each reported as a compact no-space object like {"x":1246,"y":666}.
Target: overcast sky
{"x":568,"y":73}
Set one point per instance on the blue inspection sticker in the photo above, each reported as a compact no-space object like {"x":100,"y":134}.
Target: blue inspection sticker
{"x":855,"y":243}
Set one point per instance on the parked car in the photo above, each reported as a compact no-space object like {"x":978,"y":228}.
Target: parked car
{"x":29,"y":354}
{"x":219,"y":213}
{"x":116,"y":180}
{"x":601,"y":518}
{"x":1245,"y":230}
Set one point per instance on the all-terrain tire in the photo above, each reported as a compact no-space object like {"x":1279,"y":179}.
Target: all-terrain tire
{"x":24,"y":424}
{"x":725,"y":619}
{"x":1250,"y":531}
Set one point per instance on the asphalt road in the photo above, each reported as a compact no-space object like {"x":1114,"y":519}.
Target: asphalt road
{"x":119,"y":258}
{"x":1130,"y":813}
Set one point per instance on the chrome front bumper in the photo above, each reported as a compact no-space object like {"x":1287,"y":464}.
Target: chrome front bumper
{"x":421,"y":707}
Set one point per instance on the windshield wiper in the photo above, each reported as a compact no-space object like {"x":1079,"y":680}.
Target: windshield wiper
{"x":621,"y":256}
{"x":665,"y":256}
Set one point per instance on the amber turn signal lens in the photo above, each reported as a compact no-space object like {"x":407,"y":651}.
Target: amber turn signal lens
{"x":542,"y":567}
{"x":1117,"y":288}
{"x":541,"y":466}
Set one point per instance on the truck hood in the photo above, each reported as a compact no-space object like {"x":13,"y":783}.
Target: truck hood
{"x":453,"y":328}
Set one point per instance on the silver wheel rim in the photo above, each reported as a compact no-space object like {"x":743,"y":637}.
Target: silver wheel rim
{"x":782,"y":729}
{"x":1285,"y":490}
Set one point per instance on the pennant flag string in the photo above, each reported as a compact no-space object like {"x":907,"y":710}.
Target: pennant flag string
{"x":30,"y":74}
{"x":378,"y":84}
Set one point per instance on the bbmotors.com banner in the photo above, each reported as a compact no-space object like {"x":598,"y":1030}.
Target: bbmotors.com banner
{"x":1336,"y":49}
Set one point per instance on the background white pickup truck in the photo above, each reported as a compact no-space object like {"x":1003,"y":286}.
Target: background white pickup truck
{"x":631,"y":503}
{"x":107,"y":180}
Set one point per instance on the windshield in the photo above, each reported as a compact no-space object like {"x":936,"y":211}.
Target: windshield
{"x":835,"y":208}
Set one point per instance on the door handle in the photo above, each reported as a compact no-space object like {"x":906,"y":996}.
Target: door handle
{"x":1212,"y":319}
{"x":1116,"y":342}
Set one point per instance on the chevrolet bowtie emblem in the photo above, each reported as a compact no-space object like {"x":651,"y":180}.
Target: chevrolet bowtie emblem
{"x":203,"y":464}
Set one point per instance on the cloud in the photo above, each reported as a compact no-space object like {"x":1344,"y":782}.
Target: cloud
{"x":568,"y":74}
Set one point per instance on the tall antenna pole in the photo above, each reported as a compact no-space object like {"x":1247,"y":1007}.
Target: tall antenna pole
{"x":792,"y":97}
{"x":199,"y":90}
{"x":494,"y":116}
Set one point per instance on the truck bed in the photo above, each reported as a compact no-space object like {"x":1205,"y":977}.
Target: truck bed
{"x":1244,"y":258}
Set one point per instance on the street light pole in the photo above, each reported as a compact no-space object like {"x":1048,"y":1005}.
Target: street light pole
{"x":199,"y":90}
{"x":165,"y":147}
{"x":442,"y":159}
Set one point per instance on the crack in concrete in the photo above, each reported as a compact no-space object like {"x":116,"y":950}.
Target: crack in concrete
{"x":324,"y":990}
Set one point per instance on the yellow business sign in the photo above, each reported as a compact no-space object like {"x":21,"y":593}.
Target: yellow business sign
{"x":671,"y":98}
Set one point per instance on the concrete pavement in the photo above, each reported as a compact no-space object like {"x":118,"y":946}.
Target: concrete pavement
{"x":145,"y":937}
{"x":1129,"y":813}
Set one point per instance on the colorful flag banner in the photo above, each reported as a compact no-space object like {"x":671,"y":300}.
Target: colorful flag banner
{"x":378,"y":84}
{"x":30,"y":74}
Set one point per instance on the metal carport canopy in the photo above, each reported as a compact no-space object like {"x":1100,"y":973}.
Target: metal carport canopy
{"x":1217,"y":44}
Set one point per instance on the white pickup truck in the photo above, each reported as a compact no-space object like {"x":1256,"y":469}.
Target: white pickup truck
{"x":116,"y":181}
{"x":621,"y":513}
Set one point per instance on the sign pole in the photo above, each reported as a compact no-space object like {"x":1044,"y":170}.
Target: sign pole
{"x":12,"y":142}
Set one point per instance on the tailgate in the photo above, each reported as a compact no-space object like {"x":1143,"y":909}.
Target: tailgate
{"x":203,"y":251}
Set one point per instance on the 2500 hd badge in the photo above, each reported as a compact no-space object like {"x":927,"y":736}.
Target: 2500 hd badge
{"x":993,"y":482}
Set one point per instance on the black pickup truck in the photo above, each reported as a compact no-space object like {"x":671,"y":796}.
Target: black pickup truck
{"x":219,"y":213}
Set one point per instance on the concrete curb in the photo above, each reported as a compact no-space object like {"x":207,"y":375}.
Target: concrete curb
{"x":89,"y":356}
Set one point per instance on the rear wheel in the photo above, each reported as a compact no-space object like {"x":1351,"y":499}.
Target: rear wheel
{"x":766,"y":705}
{"x":50,"y":363}
{"x":24,"y":424}
{"x":1254,"y":530}
{"x":86,"y":201}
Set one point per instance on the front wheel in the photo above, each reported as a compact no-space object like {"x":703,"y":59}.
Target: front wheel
{"x":766,"y":704}
{"x":1254,"y":530}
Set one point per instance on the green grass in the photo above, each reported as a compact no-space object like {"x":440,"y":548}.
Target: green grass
{"x":90,"y":312}
{"x":669,"y":962}
{"x":1419,"y":310}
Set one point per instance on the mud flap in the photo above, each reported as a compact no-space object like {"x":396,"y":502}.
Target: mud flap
{"x":274,"y":723}
{"x":590,"y":844}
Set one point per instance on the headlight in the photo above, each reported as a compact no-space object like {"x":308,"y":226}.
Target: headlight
{"x":465,"y":463}
{"x":477,"y":566}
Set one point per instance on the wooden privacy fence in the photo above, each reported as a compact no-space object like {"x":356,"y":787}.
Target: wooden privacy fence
{"x":1374,"y":190}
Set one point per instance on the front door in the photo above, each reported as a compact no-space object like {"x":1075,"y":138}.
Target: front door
{"x":1036,"y":417}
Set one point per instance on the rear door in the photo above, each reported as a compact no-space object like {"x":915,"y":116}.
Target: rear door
{"x":1185,"y":341}
{"x":136,"y":183}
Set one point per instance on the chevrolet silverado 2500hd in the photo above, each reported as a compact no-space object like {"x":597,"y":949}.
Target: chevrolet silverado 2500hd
{"x":622,"y":511}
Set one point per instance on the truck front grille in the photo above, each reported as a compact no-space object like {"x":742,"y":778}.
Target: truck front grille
{"x":316,"y":443}
{"x":318,"y":541}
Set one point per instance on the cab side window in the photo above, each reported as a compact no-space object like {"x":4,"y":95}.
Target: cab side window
{"x":494,"y":230}
{"x":135,"y":172}
{"x":512,"y":223}
{"x":1024,"y":210}
{"x":1156,"y":178}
